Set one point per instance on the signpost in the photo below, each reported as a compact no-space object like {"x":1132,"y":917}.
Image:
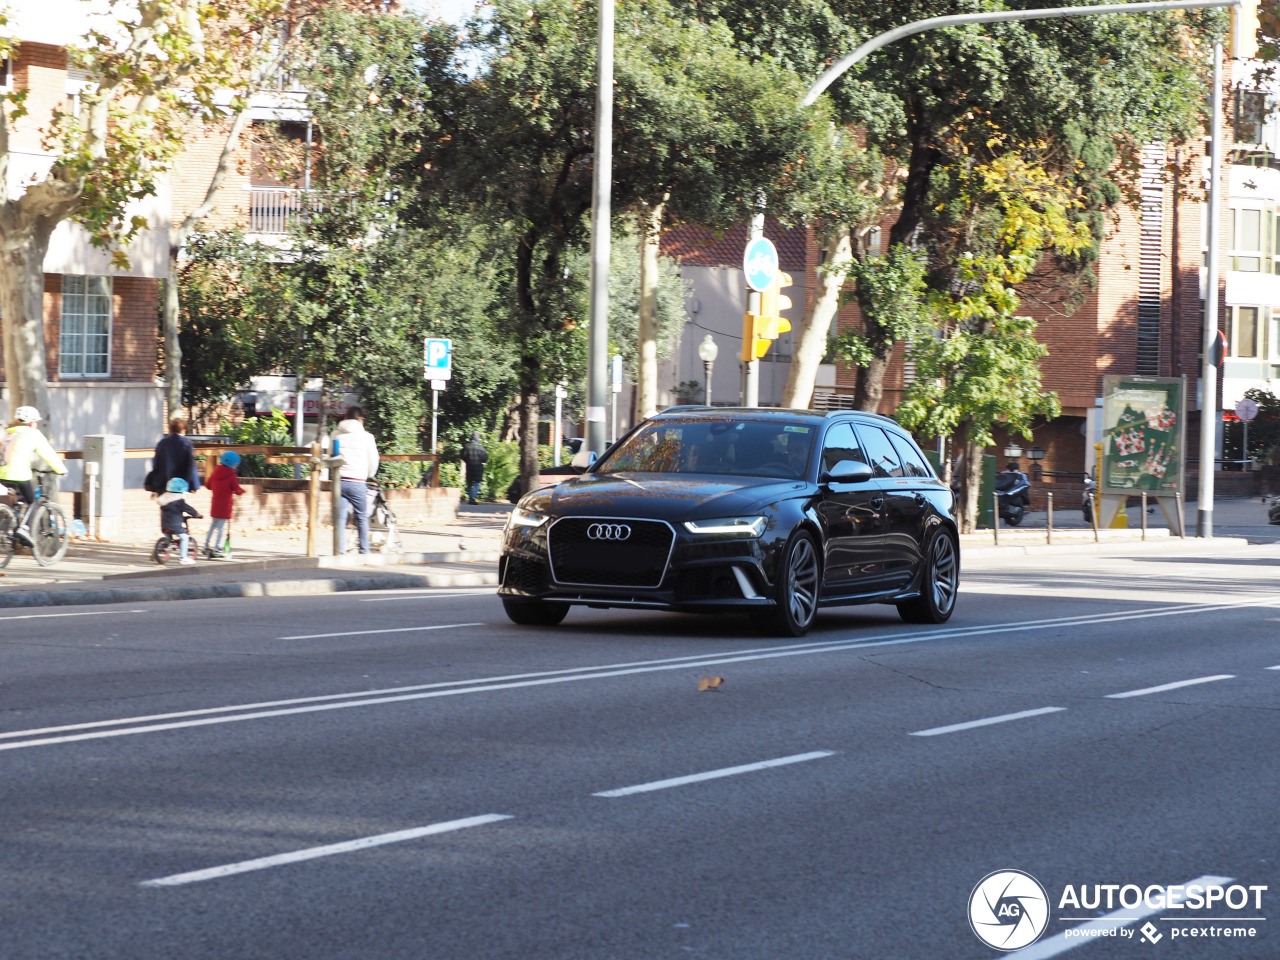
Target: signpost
{"x":760,"y":265}
{"x":437,"y":366}
{"x":1246,"y":410}
{"x":556,"y":441}
{"x":617,"y":389}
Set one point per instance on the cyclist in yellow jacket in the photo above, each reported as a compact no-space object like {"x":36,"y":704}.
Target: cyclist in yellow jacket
{"x":19,"y":446}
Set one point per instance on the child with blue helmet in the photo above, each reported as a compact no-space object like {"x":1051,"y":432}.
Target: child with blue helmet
{"x":223,"y":484}
{"x":174,"y":511}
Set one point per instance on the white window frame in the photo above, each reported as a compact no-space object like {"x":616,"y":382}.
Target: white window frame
{"x":1233,"y":339}
{"x":1236,"y":253}
{"x":66,"y":338}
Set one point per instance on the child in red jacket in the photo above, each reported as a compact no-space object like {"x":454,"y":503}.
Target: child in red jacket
{"x":223,"y":483}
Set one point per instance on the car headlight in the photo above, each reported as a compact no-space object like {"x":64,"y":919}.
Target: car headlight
{"x":727,"y":526}
{"x":526,"y":518}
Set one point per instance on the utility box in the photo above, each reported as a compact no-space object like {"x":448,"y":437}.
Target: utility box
{"x":107,"y":450}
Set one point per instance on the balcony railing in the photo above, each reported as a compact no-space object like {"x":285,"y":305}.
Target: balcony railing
{"x":274,"y":209}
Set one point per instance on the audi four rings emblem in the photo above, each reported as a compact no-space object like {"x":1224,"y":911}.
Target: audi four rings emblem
{"x":608,"y":531}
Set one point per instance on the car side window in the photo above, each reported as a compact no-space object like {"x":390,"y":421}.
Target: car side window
{"x":880,"y":453}
{"x":841,"y":444}
{"x":912,"y":460}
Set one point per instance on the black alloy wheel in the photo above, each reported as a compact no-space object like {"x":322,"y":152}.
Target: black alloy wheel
{"x":534,"y":613}
{"x":939,"y":584}
{"x":799,"y":576}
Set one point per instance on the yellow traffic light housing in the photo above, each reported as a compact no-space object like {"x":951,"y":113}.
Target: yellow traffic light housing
{"x":761,"y":329}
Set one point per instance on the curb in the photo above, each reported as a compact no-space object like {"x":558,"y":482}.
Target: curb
{"x":355,"y":561}
{"x":251,"y":588}
{"x":1155,"y":544}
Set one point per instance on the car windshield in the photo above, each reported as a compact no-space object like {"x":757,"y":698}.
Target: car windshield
{"x":745,"y":448}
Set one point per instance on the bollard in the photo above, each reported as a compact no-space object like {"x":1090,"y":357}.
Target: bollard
{"x":1182,"y":523}
{"x":91,"y":481}
{"x":1048,"y":519}
{"x":995,"y":518}
{"x":313,"y":500}
{"x":1093,"y":515}
{"x":1144,"y":514}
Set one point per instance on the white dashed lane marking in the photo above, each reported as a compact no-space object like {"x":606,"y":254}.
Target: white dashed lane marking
{"x":714,"y":774}
{"x":312,"y":853}
{"x":1169,"y":686}
{"x":986,"y":722}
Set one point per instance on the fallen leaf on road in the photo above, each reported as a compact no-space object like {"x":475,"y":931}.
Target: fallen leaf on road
{"x":710,"y":683}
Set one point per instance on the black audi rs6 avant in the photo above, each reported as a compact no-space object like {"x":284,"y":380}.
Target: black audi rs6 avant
{"x":769,"y":513}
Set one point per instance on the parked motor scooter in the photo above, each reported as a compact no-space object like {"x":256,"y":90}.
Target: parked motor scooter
{"x":1013,"y":490}
{"x":1273,"y":511}
{"x":1087,"y":498}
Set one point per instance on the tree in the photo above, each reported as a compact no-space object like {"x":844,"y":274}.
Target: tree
{"x":983,"y":366}
{"x":269,"y":42}
{"x":150,"y":72}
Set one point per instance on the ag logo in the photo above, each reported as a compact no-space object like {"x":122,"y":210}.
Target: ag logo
{"x":1008,"y":909}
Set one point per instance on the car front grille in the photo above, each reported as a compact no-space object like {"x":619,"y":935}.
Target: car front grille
{"x":525,"y":575}
{"x":638,"y":560}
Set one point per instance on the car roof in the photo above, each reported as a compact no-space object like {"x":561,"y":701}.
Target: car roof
{"x":693,"y":411}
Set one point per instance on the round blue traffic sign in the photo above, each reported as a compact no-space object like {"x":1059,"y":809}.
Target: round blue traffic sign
{"x":760,"y":263}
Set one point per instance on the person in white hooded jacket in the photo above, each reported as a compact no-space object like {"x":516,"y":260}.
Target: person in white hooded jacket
{"x":360,"y":451}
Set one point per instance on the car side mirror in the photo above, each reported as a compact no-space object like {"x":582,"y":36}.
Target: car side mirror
{"x":847,"y":471}
{"x":583,"y":460}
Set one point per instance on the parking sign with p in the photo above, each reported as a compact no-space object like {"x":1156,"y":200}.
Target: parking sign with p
{"x":437,"y":359}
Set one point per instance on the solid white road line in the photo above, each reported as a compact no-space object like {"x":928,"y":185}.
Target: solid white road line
{"x":262,"y":863}
{"x":1079,"y":936}
{"x":714,"y":774}
{"x":42,"y":616}
{"x":363,"y":633}
{"x":425,"y":596}
{"x":1169,"y":686}
{"x":1273,"y":668}
{"x":599,"y":672}
{"x":1003,"y":718}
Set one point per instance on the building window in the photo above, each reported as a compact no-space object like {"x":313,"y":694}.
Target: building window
{"x":84,"y":346}
{"x":1274,"y":345}
{"x":1244,"y":332}
{"x":1246,"y":240}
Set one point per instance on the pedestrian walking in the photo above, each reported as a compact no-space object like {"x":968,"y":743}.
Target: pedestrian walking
{"x":174,"y":511}
{"x":474,"y":457}
{"x":175,"y":457}
{"x":19,"y":446}
{"x":357,"y":447}
{"x":223,"y":484}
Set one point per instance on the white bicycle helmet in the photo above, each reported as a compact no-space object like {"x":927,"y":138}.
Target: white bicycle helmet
{"x":27,"y":415}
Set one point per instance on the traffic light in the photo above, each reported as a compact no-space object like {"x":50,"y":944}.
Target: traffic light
{"x":761,"y":329}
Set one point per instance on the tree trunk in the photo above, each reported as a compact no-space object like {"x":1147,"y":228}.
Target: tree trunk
{"x":650,"y":218}
{"x":870,"y":389}
{"x":835,"y":241}
{"x":970,"y":484}
{"x":22,"y":250}
{"x":172,"y":346}
{"x":529,"y":382}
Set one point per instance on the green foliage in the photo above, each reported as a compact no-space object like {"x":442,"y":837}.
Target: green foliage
{"x":892,"y":289}
{"x":275,"y":430}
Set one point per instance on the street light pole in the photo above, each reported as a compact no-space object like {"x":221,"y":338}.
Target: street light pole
{"x":1209,"y":415}
{"x":601,"y":198}
{"x":707,"y":353}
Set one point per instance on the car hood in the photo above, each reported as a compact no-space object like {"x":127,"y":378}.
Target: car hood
{"x":670,"y":497}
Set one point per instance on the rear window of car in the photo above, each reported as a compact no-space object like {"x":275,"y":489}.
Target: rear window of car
{"x":912,"y":460}
{"x":880,"y":452}
{"x":750,"y":448}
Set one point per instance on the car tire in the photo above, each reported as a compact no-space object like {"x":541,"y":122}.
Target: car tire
{"x":939,"y":584}
{"x":534,"y":613}
{"x":798,"y":579}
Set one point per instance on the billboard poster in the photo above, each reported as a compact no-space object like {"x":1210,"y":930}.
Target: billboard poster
{"x":1143,"y":435}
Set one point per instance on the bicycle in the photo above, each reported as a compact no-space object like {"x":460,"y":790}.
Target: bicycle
{"x":169,"y":544}
{"x":45,"y":519}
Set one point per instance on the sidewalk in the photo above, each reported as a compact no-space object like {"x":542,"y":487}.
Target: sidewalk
{"x":267,"y":561}
{"x":463,"y":552}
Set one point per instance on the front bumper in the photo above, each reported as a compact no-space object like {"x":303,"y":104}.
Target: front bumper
{"x":701,"y":574}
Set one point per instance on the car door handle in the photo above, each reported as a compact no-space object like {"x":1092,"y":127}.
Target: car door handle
{"x":920,"y":499}
{"x":877,"y":503}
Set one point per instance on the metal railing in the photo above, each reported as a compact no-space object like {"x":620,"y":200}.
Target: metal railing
{"x":274,"y":209}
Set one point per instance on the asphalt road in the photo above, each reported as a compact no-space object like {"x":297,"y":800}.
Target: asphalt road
{"x":409,"y":776}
